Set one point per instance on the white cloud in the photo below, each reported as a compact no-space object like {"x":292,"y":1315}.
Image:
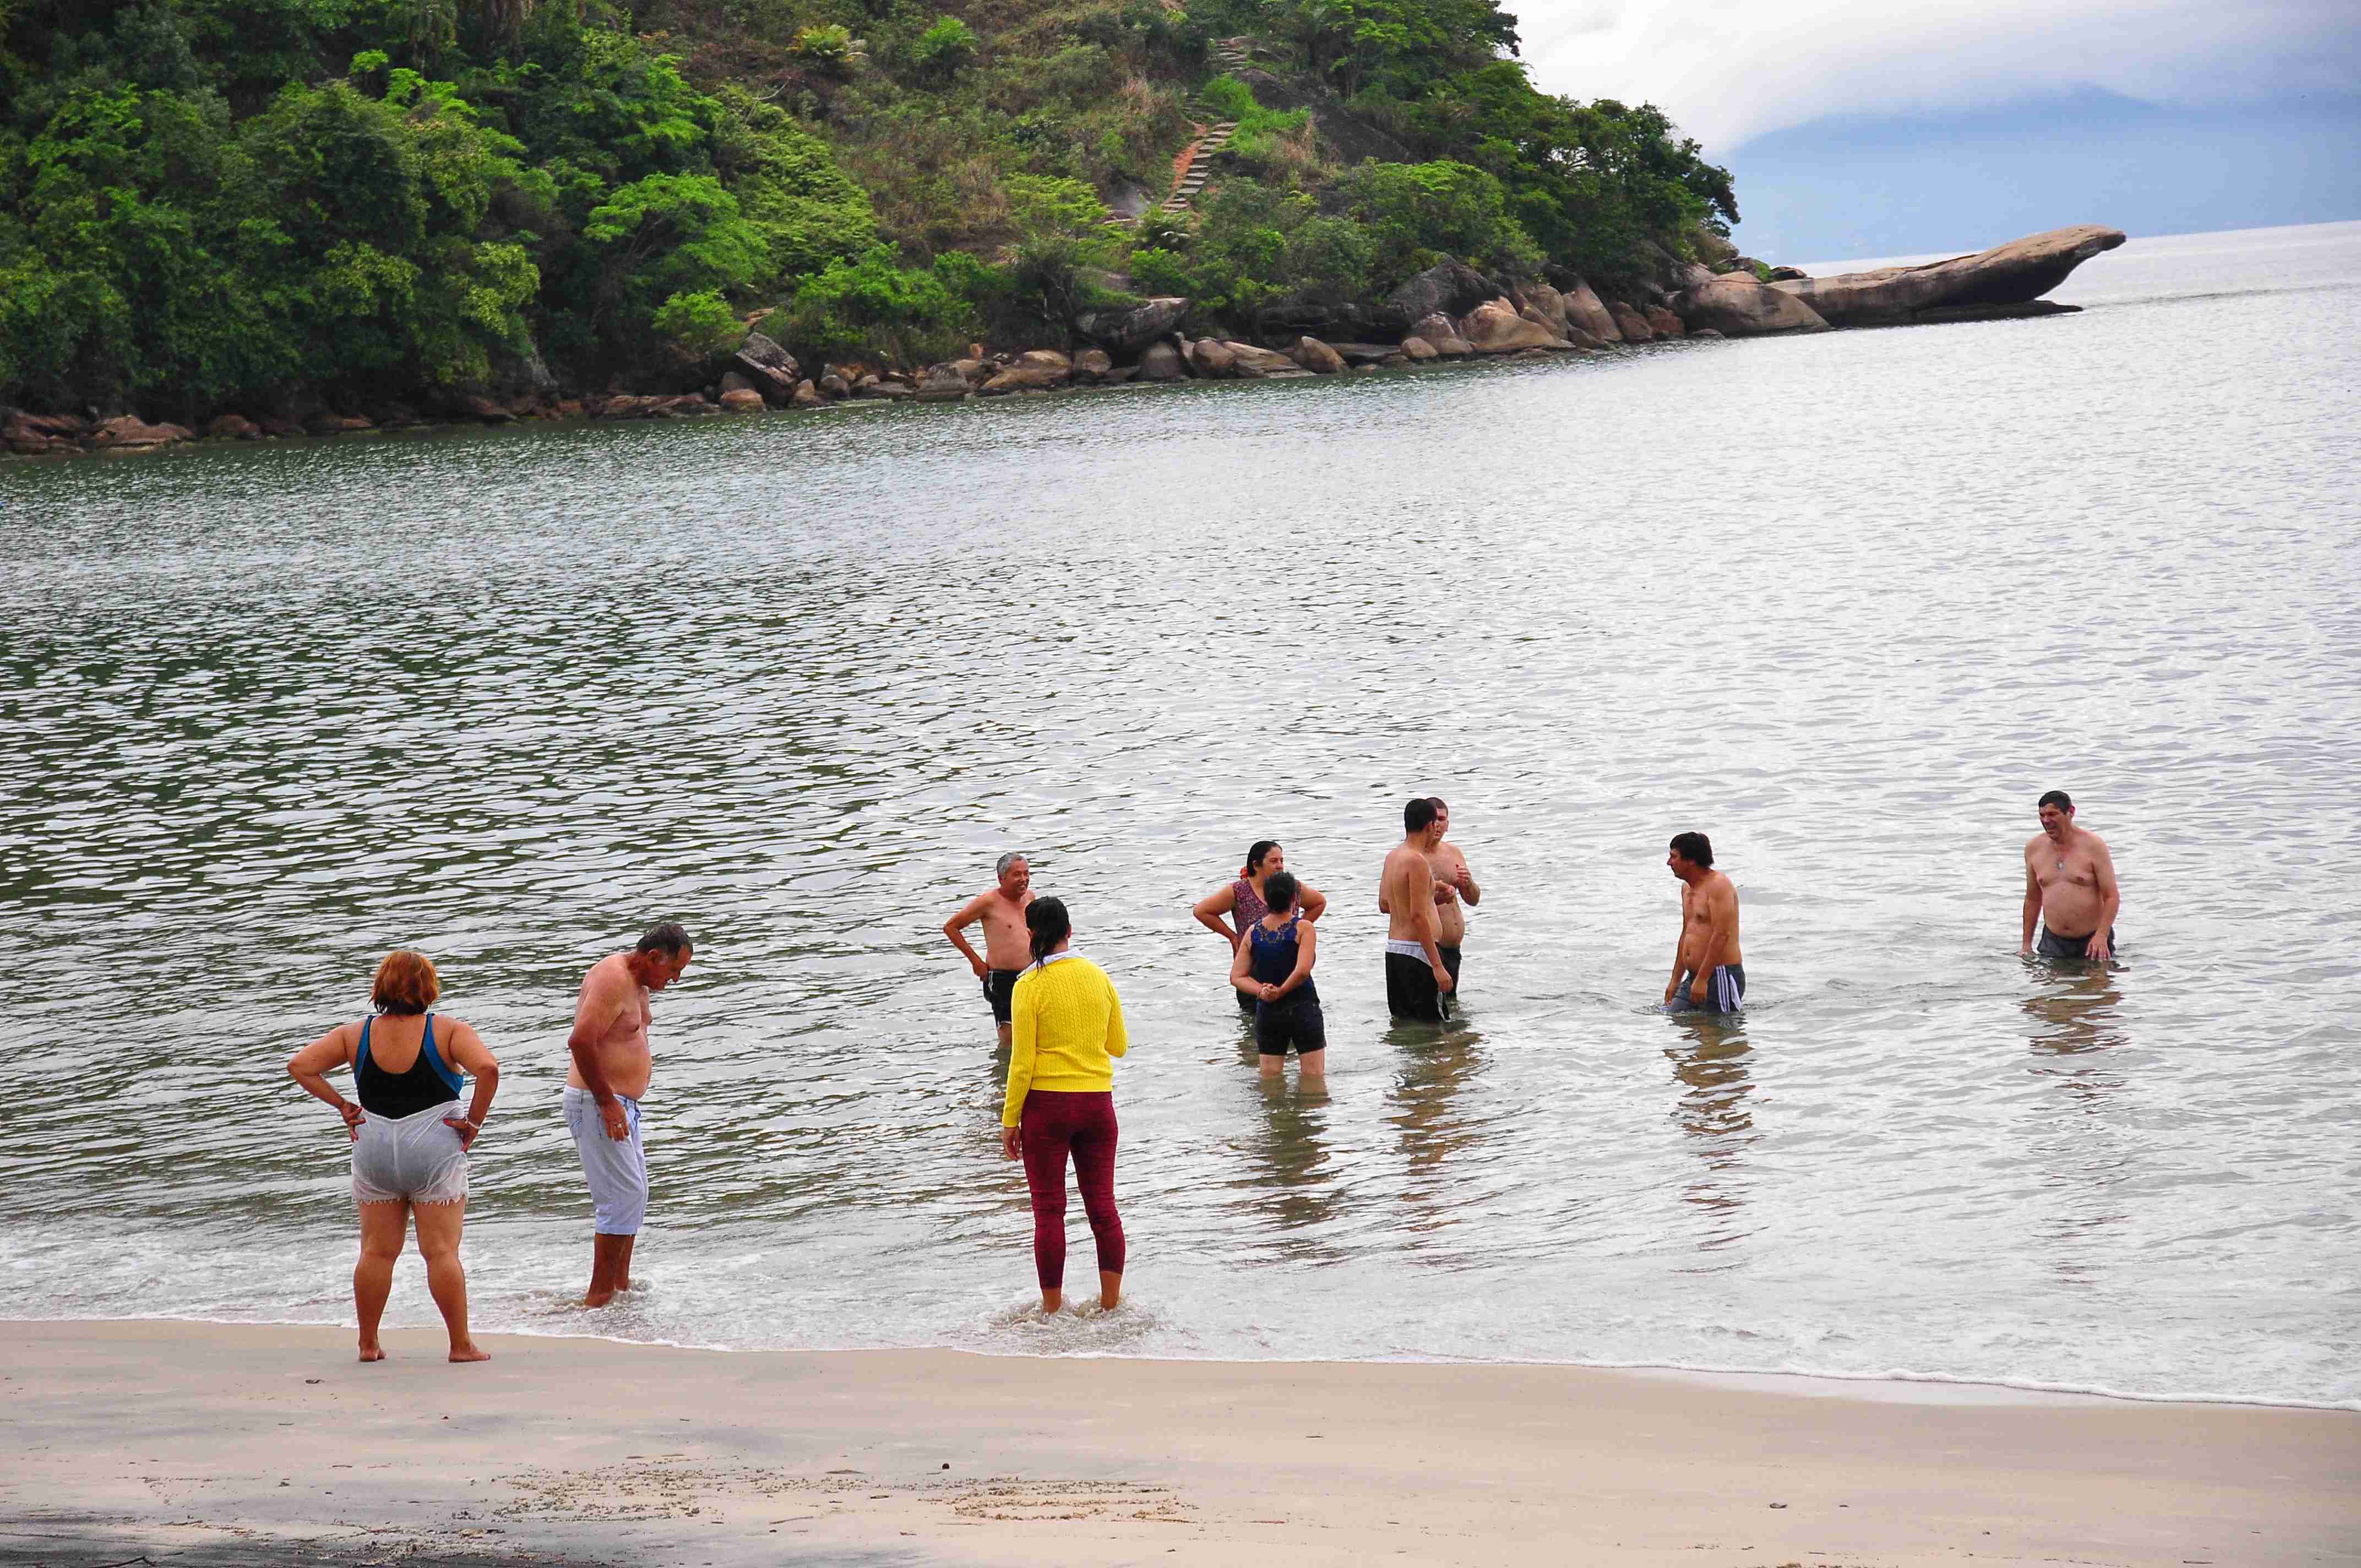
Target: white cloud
{"x":1730,"y":70}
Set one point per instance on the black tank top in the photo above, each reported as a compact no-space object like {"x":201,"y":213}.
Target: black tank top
{"x":1271,"y":959}
{"x":428,"y":1082}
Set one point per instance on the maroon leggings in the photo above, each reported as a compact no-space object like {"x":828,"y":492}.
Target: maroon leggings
{"x":1053,"y":1125}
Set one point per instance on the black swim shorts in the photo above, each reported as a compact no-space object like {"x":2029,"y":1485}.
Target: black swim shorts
{"x":1294,"y":1021}
{"x":1000,"y":990}
{"x":1409,"y":983}
{"x":2053,"y":946}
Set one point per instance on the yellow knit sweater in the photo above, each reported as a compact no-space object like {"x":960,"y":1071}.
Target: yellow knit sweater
{"x":1068,"y":1027}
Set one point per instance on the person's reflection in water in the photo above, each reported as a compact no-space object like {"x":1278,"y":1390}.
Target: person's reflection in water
{"x":1437,"y":1066}
{"x":2080,"y":1152}
{"x":1715,"y":1109}
{"x":1288,"y":1169}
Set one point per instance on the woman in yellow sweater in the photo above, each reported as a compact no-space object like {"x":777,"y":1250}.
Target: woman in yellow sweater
{"x":1068,"y":1028}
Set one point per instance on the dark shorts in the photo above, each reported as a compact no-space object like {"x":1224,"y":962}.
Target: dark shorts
{"x":1000,"y":990}
{"x":1725,"y":988}
{"x":1295,"y":1022}
{"x":2053,"y":946}
{"x":1410,"y":985}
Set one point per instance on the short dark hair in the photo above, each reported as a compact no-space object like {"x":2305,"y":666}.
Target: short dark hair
{"x":1694,"y":848}
{"x":1419,"y":815}
{"x":1442,"y":806}
{"x":1279,"y":892}
{"x":1046,"y":919}
{"x":2056,"y":797}
{"x":669,"y":938}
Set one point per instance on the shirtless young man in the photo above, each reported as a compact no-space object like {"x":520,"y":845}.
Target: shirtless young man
{"x":2069,"y":883}
{"x":1007,"y":946}
{"x":1708,"y":971}
{"x":1454,"y":886}
{"x":1418,"y":975}
{"x":603,"y":1090}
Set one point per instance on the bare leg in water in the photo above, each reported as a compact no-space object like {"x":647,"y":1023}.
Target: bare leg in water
{"x":610,"y":1268}
{"x":383,"y":1227}
{"x":438,"y":1238}
{"x":1110,"y":1293}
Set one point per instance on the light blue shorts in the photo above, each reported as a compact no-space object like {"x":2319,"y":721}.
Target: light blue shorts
{"x":617,"y":1172}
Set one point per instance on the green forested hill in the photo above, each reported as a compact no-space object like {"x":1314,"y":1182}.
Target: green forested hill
{"x":208,"y":203}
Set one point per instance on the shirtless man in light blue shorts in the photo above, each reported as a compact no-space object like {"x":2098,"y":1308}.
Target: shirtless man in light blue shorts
{"x":603,"y":1090}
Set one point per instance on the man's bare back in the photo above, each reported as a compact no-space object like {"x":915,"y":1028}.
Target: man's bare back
{"x":612,"y":1010}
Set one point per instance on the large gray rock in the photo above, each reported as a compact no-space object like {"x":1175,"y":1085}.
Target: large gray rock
{"x":1739,"y":306}
{"x":1161,"y":362}
{"x":944,"y":383}
{"x":1434,"y":326}
{"x":1124,"y":333}
{"x":768,"y":368}
{"x":1454,"y":288}
{"x":1585,"y":309}
{"x":2011,"y":274}
{"x":1092,"y":366}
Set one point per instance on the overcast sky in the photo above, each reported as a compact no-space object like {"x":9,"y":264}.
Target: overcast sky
{"x":1887,"y":127}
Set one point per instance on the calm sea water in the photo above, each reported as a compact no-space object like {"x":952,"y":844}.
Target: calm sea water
{"x":1848,"y":604}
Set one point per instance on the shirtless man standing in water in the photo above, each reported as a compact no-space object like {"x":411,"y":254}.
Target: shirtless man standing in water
{"x":603,"y":1090}
{"x":1708,"y":971}
{"x":2069,"y":883}
{"x":1007,"y":946}
{"x":1453,"y":884}
{"x":1418,"y":976}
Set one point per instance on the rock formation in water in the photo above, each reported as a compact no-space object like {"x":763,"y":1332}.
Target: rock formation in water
{"x":2017,"y":273}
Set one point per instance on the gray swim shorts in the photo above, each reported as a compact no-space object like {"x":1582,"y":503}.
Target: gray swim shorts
{"x":414,"y":1158}
{"x":617,"y":1172}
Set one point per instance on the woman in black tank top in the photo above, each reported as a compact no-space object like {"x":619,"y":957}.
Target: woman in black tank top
{"x":410,"y":1142}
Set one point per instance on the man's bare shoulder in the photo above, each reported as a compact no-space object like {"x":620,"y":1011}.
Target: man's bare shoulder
{"x":610,"y":974}
{"x":2091,"y":840}
{"x":1722,"y":890}
{"x":2033,"y":845}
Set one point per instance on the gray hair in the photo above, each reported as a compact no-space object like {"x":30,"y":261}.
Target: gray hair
{"x":1000,"y":867}
{"x":669,"y":938}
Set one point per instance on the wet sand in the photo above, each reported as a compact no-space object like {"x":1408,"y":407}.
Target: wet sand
{"x":200,"y":1445}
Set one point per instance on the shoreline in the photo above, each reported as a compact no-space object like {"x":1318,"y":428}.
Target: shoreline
{"x":202,"y":1443}
{"x":1887,"y":1387}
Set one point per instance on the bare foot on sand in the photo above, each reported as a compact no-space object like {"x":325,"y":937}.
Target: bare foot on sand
{"x":372,"y":1352}
{"x":468,"y":1352}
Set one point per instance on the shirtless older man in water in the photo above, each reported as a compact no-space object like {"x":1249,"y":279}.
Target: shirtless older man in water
{"x":1418,"y":973}
{"x":1007,"y":946}
{"x":1454,"y":890}
{"x":1708,"y":971}
{"x":2069,"y":883}
{"x":603,"y":1090}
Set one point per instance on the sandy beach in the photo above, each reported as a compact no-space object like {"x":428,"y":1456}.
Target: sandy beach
{"x":190,"y":1444}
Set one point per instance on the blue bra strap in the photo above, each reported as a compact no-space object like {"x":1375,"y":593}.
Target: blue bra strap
{"x":451,"y":1079}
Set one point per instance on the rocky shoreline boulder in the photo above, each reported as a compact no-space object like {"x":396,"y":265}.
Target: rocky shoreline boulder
{"x":1452,"y":289}
{"x":2012,"y":274}
{"x":1737,"y":305}
{"x":1493,"y":327}
{"x":767,"y":368}
{"x":1124,"y":333}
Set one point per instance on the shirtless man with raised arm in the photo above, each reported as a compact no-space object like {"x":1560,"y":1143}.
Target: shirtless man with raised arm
{"x":603,"y":1090}
{"x":1417,"y":976}
{"x":1708,"y":971}
{"x":2069,"y":883}
{"x":1007,"y":946}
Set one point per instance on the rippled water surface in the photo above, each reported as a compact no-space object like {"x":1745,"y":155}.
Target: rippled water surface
{"x":1847,"y":603}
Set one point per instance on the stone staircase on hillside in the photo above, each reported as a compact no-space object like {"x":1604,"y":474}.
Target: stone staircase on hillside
{"x":1229,"y":56}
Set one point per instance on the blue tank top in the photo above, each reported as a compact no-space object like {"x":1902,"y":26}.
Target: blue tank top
{"x":430,"y":1081}
{"x":1270,"y":959}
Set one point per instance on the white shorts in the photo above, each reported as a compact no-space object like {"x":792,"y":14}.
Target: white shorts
{"x":414,"y":1158}
{"x":617,"y":1172}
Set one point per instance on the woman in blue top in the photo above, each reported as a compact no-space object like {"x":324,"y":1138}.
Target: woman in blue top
{"x":1273,"y":970}
{"x":410,"y":1142}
